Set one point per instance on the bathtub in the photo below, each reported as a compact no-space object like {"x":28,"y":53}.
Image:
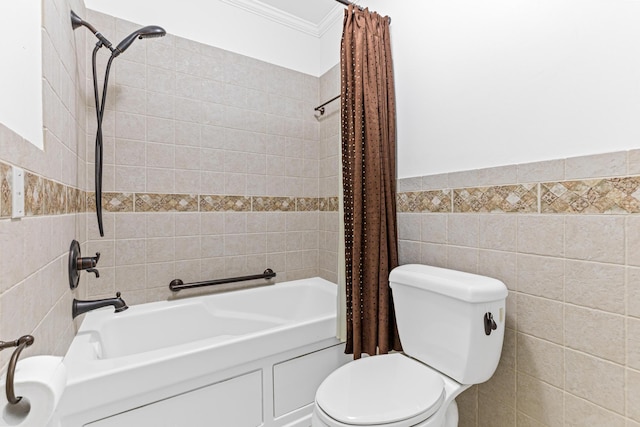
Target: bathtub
{"x":245,"y":358}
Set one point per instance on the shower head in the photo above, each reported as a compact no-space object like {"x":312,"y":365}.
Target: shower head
{"x":76,"y":22}
{"x":143,"y":33}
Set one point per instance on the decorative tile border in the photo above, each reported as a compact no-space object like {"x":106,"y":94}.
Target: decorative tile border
{"x":5,"y":190}
{"x":33,"y":194}
{"x":47,"y":197}
{"x":274,"y":204}
{"x":307,"y":204}
{"x":500,"y":199}
{"x":111,"y":202}
{"x":590,"y":196}
{"x":328,"y":204}
{"x":151,"y":202}
{"x":213,"y":203}
{"x":424,"y":201}
{"x":602,"y":196}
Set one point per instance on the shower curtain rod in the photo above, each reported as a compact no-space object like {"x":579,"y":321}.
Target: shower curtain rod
{"x":321,"y":106}
{"x":348,"y":3}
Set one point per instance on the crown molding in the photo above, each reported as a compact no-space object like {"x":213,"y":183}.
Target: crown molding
{"x":284,"y":18}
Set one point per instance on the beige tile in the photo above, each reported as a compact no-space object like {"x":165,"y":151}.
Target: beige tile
{"x":541,"y":359}
{"x":463,"y":230}
{"x":540,"y":400}
{"x":541,"y":317}
{"x":595,"y":380}
{"x":468,"y":407}
{"x":409,"y":184}
{"x":433,"y":228}
{"x":462,"y":259}
{"x":541,"y":235}
{"x":633,"y":343}
{"x":524,"y":420}
{"x":632,"y":233}
{"x":633,"y":291}
{"x":409,"y":226}
{"x":498,"y":232}
{"x":160,"y":249}
{"x":541,"y":276}
{"x":595,"y":332}
{"x":501,"y":387}
{"x":493,"y":413}
{"x":130,"y":251}
{"x":409,"y":252}
{"x":433,"y":254}
{"x":579,"y":412}
{"x":499,"y":175}
{"x":499,"y":265}
{"x":550,"y":170}
{"x":130,"y":225}
{"x":597,"y":165}
{"x":595,"y":285}
{"x":159,"y":224}
{"x":595,"y":238}
{"x":633,"y":394}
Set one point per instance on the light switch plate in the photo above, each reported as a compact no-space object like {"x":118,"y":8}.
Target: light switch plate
{"x":17,"y":196}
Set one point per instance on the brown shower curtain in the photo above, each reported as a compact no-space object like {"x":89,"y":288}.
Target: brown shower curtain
{"x":369,"y":174}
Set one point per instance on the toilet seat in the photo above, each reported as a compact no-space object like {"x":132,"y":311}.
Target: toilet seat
{"x":388,"y":390}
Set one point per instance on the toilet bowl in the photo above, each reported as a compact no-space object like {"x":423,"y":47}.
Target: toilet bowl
{"x":392,"y":390}
{"x":451,"y":325}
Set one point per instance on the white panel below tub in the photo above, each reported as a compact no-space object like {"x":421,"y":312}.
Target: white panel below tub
{"x":295,"y":381}
{"x":236,"y":402}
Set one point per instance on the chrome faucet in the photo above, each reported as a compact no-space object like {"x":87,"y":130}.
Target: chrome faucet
{"x":80,"y":307}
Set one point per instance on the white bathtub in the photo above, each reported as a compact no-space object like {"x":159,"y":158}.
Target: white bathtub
{"x":246,"y":358}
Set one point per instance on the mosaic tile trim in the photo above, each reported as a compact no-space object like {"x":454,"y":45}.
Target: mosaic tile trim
{"x":307,"y":204}
{"x":55,"y":196}
{"x":521,"y":198}
{"x":424,"y":201}
{"x":5,"y":190}
{"x":166,"y":202}
{"x":111,"y":202}
{"x":328,"y":204}
{"x":274,"y":204}
{"x":33,"y":194}
{"x":213,"y":203}
{"x":598,"y":196}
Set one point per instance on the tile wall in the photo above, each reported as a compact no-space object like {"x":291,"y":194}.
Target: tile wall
{"x":329,"y":171}
{"x":212,"y":169}
{"x":563,"y":236}
{"x":34,"y":291}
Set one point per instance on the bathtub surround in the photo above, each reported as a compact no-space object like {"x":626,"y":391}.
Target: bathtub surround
{"x":562,"y":235}
{"x":212,"y":168}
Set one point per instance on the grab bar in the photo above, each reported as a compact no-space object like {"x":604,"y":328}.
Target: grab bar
{"x":177,"y":284}
{"x":20,"y":344}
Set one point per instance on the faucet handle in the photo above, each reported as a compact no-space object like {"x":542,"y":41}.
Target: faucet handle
{"x":85,"y":263}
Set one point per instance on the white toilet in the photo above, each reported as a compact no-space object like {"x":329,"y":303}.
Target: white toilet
{"x":451,"y":325}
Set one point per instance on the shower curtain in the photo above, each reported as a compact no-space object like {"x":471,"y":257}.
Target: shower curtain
{"x":369,"y":175}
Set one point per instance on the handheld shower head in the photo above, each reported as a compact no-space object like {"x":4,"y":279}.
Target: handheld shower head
{"x":143,"y":33}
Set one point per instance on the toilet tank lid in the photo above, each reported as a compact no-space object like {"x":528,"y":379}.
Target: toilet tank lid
{"x":467,"y":287}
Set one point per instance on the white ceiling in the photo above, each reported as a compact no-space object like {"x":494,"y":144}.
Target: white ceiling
{"x":313,"y":17}
{"x":314,"y":11}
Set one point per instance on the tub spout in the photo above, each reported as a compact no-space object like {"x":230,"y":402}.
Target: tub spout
{"x":80,"y":307}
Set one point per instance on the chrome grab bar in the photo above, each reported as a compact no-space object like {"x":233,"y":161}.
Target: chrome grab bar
{"x":177,"y":284}
{"x":20,"y":344}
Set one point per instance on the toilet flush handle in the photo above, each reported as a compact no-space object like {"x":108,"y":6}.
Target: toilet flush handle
{"x":489,"y":323}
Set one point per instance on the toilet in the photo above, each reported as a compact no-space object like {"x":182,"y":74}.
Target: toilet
{"x":451,"y":326}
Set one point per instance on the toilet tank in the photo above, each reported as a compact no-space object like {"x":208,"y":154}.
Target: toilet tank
{"x":444,"y":319}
